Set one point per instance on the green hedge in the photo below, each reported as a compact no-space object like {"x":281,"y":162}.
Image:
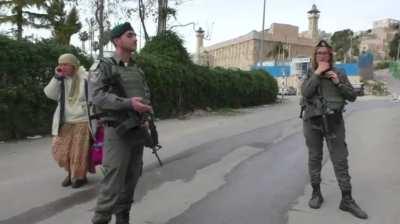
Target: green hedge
{"x":177,"y":85}
{"x":177,"y":88}
{"x":382,"y":65}
{"x":394,"y":69}
{"x":25,"y":68}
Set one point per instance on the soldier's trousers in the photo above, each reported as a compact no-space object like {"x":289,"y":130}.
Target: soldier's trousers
{"x":314,"y":136}
{"x":123,"y":165}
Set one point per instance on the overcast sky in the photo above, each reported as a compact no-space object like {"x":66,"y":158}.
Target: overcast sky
{"x":238,"y":17}
{"x":224,"y":19}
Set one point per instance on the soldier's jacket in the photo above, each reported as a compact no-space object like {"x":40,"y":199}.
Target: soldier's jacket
{"x":105,"y":93}
{"x":317,"y":87}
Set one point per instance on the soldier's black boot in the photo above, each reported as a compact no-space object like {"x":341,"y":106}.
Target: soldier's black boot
{"x":122,"y":217}
{"x":349,"y":205}
{"x":101,"y":218}
{"x":316,"y":198}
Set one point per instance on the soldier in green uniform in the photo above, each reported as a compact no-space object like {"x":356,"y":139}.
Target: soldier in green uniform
{"x":325,"y":92}
{"x":120,"y":96}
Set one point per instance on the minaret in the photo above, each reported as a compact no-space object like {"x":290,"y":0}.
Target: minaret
{"x":199,"y":45}
{"x":313,"y":16}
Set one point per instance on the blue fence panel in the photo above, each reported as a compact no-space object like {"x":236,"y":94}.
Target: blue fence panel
{"x":278,"y":71}
{"x":284,"y":70}
{"x":349,"y":69}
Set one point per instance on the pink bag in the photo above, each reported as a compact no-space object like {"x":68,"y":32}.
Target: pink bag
{"x":96,"y":150}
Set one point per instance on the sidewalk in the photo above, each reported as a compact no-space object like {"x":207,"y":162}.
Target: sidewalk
{"x":374,"y":166}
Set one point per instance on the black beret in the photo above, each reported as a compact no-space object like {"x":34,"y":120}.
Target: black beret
{"x":120,"y":29}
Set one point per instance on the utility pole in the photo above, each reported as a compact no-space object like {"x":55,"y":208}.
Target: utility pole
{"x":351,"y":47}
{"x":261,"y":52}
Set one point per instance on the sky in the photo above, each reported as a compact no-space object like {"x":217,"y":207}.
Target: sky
{"x":233,"y":18}
{"x":223,"y":20}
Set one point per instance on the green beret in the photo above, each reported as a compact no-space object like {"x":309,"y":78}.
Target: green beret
{"x":323,"y":43}
{"x":120,"y":29}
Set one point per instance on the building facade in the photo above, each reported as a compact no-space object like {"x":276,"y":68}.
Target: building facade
{"x":378,"y":38}
{"x":243,"y":52}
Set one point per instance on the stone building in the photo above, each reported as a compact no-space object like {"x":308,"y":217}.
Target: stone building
{"x":244,"y":51}
{"x":378,"y":38}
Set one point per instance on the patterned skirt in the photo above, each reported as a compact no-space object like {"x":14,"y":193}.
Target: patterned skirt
{"x":71,"y":149}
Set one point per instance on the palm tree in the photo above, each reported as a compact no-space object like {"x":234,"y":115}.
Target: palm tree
{"x":20,"y":16}
{"x":278,"y":51}
{"x":83,"y":36}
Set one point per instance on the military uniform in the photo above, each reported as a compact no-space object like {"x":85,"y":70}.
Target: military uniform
{"x":318,"y":90}
{"x":324,"y":97}
{"x":123,"y":155}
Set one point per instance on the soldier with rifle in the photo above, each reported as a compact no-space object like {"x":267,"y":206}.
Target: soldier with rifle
{"x":325,"y":92}
{"x":121,"y":101}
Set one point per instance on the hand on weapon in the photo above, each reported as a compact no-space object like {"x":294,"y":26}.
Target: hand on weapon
{"x":139,"y":106}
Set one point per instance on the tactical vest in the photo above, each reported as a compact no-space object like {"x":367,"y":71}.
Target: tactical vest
{"x":327,"y":94}
{"x":126,"y":82}
{"x":334,"y":100}
{"x":132,"y":80}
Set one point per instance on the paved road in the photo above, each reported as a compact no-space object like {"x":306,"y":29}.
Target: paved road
{"x":246,"y":168}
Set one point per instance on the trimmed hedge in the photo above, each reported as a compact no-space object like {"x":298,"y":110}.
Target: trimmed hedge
{"x":25,"y":69}
{"x":382,"y":65}
{"x":177,"y":85}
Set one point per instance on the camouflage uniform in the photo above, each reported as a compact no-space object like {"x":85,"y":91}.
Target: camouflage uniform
{"x":123,"y":155}
{"x":335,"y":96}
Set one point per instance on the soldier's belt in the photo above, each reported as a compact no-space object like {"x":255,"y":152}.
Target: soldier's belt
{"x":127,"y":125}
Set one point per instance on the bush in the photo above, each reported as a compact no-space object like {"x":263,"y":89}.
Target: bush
{"x":382,"y":65}
{"x":167,"y":46}
{"x":178,"y":86}
{"x":394,"y":69}
{"x":376,"y":88}
{"x":25,"y":68}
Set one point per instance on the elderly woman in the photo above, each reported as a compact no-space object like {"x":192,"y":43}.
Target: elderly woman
{"x":70,"y":122}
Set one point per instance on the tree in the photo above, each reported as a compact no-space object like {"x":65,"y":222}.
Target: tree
{"x":278,"y":52}
{"x":355,"y":45}
{"x":21,"y":16}
{"x":157,"y":9}
{"x":341,"y":43}
{"x":153,"y":8}
{"x":143,"y":13}
{"x":64,"y":25}
{"x":83,"y":37}
{"x":394,"y":47}
{"x":99,"y":15}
